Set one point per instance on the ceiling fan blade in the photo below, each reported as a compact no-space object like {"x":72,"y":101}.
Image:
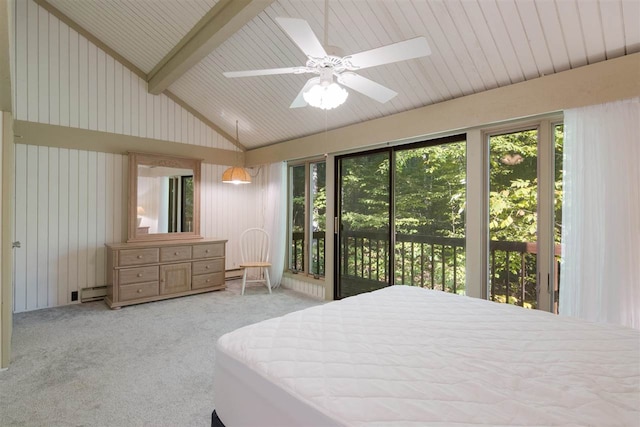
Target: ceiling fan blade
{"x":301,"y":33}
{"x":408,"y":49}
{"x":367,"y":87}
{"x":267,"y":72}
{"x":299,"y":101}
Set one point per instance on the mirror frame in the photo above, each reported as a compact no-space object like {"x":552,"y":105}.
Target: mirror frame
{"x":136,"y":159}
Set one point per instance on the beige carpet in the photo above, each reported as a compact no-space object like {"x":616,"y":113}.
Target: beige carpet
{"x":144,"y":365}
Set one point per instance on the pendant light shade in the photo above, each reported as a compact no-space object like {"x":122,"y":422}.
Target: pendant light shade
{"x":236,"y":174}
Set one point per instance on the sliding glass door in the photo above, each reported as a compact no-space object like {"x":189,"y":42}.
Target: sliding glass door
{"x":364,"y":205}
{"x":400,"y":217}
{"x":429,"y":206}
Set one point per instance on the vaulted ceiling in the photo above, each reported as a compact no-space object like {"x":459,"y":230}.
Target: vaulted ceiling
{"x":476,"y":45}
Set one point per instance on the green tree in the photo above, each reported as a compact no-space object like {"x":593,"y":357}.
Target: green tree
{"x":430,"y":200}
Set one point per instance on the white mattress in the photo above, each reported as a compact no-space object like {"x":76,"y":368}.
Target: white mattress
{"x":405,"y":356}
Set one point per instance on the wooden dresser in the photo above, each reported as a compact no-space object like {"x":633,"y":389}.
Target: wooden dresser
{"x":151,"y":271}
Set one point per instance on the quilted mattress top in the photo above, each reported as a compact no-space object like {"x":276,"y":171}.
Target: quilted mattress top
{"x":410,"y":356}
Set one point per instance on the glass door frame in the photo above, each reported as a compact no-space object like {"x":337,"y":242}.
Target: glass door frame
{"x":545,"y":214}
{"x":338,"y":250}
{"x":391,"y":150}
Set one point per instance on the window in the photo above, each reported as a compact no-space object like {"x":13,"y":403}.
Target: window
{"x":525,"y":215}
{"x":513,"y":217}
{"x":558,"y":130}
{"x":307,"y":218}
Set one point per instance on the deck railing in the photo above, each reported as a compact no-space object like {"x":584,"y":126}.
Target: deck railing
{"x":297,"y":256}
{"x":431,"y":262}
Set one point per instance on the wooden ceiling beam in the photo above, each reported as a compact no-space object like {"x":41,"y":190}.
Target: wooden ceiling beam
{"x":222,"y":21}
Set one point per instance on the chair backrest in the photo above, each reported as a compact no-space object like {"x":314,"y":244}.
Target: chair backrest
{"x":254,"y":245}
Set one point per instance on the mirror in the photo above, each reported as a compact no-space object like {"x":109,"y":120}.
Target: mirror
{"x":164,"y":197}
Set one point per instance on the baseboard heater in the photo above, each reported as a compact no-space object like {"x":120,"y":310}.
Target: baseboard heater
{"x":99,"y":292}
{"x":234,"y":273}
{"x":93,"y":294}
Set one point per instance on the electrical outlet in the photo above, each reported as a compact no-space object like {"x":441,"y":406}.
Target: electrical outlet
{"x":74,"y":296}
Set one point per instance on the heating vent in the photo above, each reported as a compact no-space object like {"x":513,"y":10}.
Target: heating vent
{"x":235,"y":273}
{"x":93,"y":294}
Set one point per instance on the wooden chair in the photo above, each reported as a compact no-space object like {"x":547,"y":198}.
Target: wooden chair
{"x":254,"y":249}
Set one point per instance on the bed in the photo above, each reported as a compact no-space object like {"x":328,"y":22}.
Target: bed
{"x":406,"y":356}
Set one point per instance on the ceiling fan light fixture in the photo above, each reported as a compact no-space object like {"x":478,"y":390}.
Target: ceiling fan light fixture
{"x":326,"y":97}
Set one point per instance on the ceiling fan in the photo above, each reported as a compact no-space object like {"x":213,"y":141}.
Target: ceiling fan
{"x":328,"y":66}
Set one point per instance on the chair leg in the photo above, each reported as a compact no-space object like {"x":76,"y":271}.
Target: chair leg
{"x":244,"y":280}
{"x":266,"y":275}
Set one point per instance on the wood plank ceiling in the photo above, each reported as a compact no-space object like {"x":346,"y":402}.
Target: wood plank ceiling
{"x":143,"y":32}
{"x":476,"y":45}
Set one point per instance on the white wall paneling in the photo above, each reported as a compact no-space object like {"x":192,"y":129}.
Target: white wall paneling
{"x":69,"y":203}
{"x":315,"y":290}
{"x":227,"y":210}
{"x":64,"y":79}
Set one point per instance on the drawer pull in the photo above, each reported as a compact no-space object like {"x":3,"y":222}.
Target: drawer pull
{"x":207,"y":251}
{"x":175,"y":253}
{"x":207,"y":267}
{"x":139,"y":274}
{"x":139,"y":256}
{"x":139,"y":291}
{"x":208,"y":280}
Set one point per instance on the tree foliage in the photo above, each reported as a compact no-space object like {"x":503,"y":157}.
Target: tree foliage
{"x":429,"y":201}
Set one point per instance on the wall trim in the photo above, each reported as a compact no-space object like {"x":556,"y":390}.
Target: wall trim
{"x":5,"y":63}
{"x":33,"y":133}
{"x":597,"y":83}
{"x":6,"y":251}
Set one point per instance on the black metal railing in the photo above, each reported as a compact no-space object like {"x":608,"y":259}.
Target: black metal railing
{"x":428,"y":261}
{"x":297,"y":256}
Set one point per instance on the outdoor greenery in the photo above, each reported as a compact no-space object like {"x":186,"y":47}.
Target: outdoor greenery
{"x":318,"y":198}
{"x":429,"y":214}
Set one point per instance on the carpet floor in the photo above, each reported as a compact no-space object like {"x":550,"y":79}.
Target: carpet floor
{"x":144,"y":365}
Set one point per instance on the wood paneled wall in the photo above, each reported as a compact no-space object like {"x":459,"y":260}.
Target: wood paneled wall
{"x":69,"y":203}
{"x":64,"y":79}
{"x":228,"y":210}
{"x":315,"y":290}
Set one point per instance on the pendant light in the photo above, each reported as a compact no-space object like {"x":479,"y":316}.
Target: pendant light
{"x":236,"y":174}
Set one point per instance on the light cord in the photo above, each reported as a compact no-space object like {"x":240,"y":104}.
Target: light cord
{"x":326,"y":23}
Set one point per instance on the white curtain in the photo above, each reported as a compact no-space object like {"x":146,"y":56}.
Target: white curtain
{"x":275,"y":216}
{"x":600,"y":275}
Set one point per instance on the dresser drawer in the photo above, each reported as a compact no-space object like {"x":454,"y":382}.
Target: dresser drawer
{"x":210,"y":266}
{"x":207,"y":280}
{"x":138,"y":256}
{"x":175,"y":253}
{"x":138,"y":275}
{"x":139,"y":290}
{"x":212,"y":250}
